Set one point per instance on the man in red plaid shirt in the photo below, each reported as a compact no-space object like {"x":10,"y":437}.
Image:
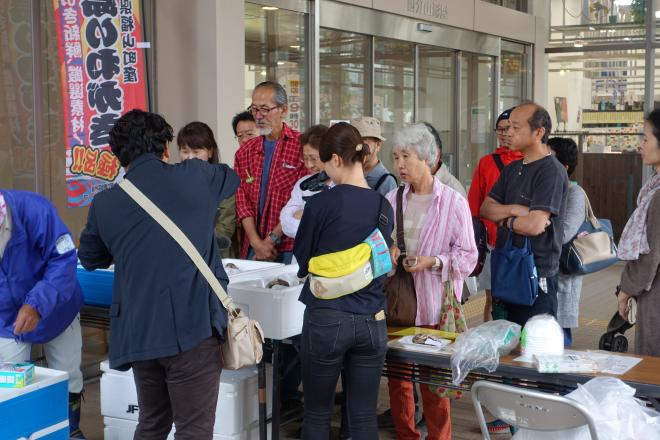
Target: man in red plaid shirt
{"x":268,"y":166}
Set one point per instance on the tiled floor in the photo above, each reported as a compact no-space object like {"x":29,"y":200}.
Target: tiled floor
{"x":597,"y":307}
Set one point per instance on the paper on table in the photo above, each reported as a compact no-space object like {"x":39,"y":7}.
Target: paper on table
{"x":406,"y":343}
{"x":411,"y":331}
{"x":613,"y":363}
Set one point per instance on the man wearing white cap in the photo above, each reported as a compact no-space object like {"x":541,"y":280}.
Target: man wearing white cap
{"x":377,"y":176}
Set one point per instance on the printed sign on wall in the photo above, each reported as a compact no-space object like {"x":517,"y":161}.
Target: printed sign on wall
{"x":103,"y":76}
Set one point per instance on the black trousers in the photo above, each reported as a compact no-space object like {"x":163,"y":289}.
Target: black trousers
{"x":354,"y":345}
{"x":546,"y":302}
{"x":182,"y":389}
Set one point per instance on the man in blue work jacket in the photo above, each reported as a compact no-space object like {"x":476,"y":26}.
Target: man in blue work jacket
{"x":165,"y":321}
{"x":39,"y":295}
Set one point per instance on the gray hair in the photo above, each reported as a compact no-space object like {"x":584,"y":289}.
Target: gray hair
{"x":280,"y":93}
{"x":419,"y":139}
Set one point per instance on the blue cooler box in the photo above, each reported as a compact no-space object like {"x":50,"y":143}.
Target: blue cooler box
{"x":96,"y":286}
{"x":39,"y":410}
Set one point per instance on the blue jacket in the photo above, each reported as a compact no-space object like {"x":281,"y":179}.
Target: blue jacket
{"x":161,"y":304}
{"x":38,"y":268}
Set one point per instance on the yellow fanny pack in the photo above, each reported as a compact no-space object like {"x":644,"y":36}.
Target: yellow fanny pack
{"x":341,"y":273}
{"x":339,"y":264}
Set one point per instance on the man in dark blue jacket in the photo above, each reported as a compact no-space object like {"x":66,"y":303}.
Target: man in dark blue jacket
{"x":39,"y":295}
{"x":166,"y":322}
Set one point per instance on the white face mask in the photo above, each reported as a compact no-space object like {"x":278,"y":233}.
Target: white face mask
{"x":3,"y":210}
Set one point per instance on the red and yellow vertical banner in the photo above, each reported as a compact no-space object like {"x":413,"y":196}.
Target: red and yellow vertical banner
{"x":103,"y":76}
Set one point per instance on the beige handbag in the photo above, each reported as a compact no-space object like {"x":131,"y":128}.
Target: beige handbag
{"x":592,"y":249}
{"x":244,"y":340}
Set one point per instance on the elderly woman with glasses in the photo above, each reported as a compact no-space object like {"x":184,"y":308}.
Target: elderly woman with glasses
{"x":440,"y":251}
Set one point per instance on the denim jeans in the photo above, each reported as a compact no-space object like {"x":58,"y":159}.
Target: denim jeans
{"x":336,"y":342}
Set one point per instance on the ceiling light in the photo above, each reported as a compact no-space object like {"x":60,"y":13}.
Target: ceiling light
{"x":626,"y":39}
{"x":591,"y":28}
{"x":295,"y":46}
{"x":269,"y":8}
{"x":562,"y":72}
{"x":657,"y":14}
{"x":280,"y":63}
{"x":263,"y":72}
{"x":578,"y":44}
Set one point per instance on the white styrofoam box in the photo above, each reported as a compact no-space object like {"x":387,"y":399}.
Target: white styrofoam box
{"x":277,"y":310}
{"x":38,"y":410}
{"x":238,"y":402}
{"x":121,"y":429}
{"x":246,"y":268}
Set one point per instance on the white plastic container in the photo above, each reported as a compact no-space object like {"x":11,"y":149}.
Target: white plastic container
{"x":542,"y":335}
{"x":238,"y":403}
{"x":277,"y":309}
{"x":246,"y":268}
{"x":120,"y":429}
{"x":38,"y":410}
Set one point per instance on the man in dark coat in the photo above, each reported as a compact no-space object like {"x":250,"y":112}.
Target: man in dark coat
{"x":166,"y":322}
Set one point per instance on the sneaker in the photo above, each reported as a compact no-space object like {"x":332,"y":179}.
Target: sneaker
{"x":498,"y":426}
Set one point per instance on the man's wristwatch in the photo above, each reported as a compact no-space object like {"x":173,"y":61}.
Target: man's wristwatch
{"x":276,"y":239}
{"x":437,"y":264}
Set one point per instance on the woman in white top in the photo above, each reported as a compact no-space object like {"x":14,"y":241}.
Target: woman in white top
{"x":292,"y":212}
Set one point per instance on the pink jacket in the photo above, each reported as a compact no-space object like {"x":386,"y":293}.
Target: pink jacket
{"x":447,"y":234}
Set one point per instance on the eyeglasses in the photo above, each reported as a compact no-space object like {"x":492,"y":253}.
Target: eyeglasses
{"x":501,"y":130}
{"x":262,"y":110}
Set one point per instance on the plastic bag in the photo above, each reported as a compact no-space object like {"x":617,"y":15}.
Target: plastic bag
{"x":481,"y":347}
{"x":618,"y":415}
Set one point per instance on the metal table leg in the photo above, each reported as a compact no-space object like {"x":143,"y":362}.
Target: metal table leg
{"x":275,"y":426}
{"x":263,"y":411}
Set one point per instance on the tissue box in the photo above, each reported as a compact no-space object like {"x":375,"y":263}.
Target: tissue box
{"x":16,"y":375}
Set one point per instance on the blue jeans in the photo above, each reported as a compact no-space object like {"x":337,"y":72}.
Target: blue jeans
{"x":354,"y":345}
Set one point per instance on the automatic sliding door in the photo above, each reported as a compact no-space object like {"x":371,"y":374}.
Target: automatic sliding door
{"x":345,"y":75}
{"x":476,"y":113}
{"x":394,"y":89}
{"x":435,"y":96}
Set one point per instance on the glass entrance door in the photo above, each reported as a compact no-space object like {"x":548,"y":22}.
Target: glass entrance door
{"x":436,"y":98}
{"x":476,"y":113}
{"x":402,"y":82}
{"x":394,"y":90}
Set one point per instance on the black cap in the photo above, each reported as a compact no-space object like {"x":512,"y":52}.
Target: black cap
{"x":504,"y":116}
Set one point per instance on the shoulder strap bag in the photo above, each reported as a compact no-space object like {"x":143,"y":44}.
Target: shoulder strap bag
{"x":513,"y":272}
{"x":244,"y":340}
{"x":400,"y":287}
{"x":592,"y":249}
